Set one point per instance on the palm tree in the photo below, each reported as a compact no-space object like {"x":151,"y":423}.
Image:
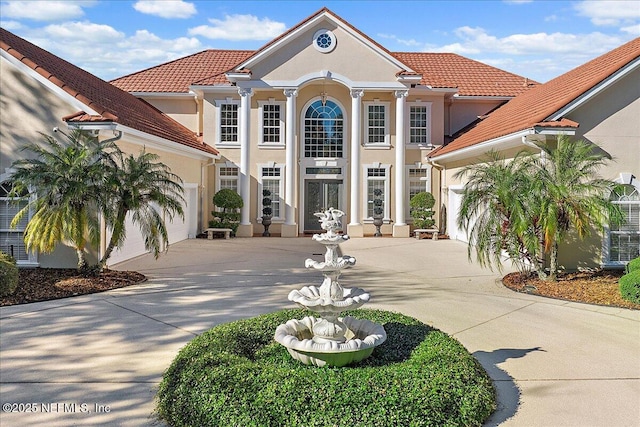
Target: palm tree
{"x":143,"y":188}
{"x":496,"y":201}
{"x":570,"y":194}
{"x":64,"y":182}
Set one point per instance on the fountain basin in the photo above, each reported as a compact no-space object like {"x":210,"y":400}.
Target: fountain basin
{"x":362,"y":336}
{"x":312,"y":298}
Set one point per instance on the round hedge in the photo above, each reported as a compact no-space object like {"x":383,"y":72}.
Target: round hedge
{"x":633,"y":265}
{"x":235,"y":374}
{"x":629,"y":286}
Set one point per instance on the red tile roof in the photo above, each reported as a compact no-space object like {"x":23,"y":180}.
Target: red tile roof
{"x":438,"y":70}
{"x":110,"y":102}
{"x":537,"y":106}
{"x":472,"y":78}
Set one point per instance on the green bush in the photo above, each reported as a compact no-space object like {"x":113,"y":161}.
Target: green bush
{"x":633,"y":265}
{"x":235,"y":374}
{"x":421,"y":210}
{"x":229,"y":201}
{"x":630,"y":286}
{"x":8,"y":275}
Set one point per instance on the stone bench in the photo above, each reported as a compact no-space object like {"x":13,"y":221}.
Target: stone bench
{"x":433,"y":231}
{"x":210,"y":231}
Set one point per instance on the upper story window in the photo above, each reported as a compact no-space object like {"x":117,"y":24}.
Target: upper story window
{"x":420,"y":123}
{"x":376,"y":124}
{"x":624,"y":239}
{"x":323,"y":130}
{"x":271,"y":130}
{"x":227,"y":120}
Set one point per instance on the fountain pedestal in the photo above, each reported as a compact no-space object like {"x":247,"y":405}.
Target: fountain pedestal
{"x":330,"y":339}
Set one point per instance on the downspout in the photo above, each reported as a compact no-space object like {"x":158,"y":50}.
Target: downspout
{"x":528,"y":143}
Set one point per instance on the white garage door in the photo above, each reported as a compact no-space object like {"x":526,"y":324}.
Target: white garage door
{"x":177,"y":229}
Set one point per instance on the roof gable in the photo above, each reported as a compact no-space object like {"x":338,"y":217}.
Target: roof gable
{"x":107,"y":102}
{"x":540,"y":106}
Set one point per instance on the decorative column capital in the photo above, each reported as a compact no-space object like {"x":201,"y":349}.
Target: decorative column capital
{"x":357,"y":93}
{"x":401,"y":93}
{"x":290,"y":92}
{"x":245,"y":91}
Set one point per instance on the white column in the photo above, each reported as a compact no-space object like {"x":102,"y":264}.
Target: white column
{"x":289,"y":228}
{"x":356,"y":126}
{"x":401,"y":96}
{"x":245,"y":165}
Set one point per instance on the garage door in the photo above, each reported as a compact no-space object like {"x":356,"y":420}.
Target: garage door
{"x":177,"y":230}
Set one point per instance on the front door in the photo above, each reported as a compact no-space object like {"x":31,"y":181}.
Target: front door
{"x":319,"y":195}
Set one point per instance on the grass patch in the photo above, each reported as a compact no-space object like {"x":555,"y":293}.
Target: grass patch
{"x":236,"y":374}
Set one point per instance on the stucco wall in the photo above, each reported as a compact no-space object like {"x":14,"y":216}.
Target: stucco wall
{"x":183,"y":111}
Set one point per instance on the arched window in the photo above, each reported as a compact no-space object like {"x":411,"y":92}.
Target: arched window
{"x":624,"y":239}
{"x":323,"y":130}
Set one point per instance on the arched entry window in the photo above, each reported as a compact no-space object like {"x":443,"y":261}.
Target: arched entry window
{"x":323,"y":130}
{"x":624,"y":239}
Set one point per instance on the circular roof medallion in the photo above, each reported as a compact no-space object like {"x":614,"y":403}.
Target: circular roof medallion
{"x":324,"y":41}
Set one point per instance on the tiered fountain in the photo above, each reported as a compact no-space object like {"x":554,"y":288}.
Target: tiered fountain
{"x":330,"y":340}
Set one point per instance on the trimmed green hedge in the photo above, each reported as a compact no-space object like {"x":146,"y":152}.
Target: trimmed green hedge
{"x":235,"y":374}
{"x":630,"y":286}
{"x":8,"y":275}
{"x":633,"y":265}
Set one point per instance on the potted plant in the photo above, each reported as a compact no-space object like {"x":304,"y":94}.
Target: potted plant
{"x":378,"y":211}
{"x":421,"y":205}
{"x":230,"y":202}
{"x":267,"y":211}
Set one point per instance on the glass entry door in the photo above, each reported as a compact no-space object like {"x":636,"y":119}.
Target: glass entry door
{"x":319,"y":195}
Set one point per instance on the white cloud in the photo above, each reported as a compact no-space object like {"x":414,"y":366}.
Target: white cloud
{"x":551,"y":18}
{"x":107,"y":52}
{"x":517,"y":1}
{"x":406,"y":42}
{"x":166,"y":8}
{"x":632,"y":29}
{"x":44,"y":10}
{"x":609,"y":12}
{"x":11,"y":25}
{"x":240,"y":27}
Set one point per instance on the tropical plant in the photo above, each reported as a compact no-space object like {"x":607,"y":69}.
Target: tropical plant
{"x":145,"y":189}
{"x":525,"y":207}
{"x":421,"y":205}
{"x":496,"y":202}
{"x":570,"y":195}
{"x":8,"y":274}
{"x":230,"y":202}
{"x":64,"y":183}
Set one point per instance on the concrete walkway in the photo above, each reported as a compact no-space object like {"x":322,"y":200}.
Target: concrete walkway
{"x":97,"y":359}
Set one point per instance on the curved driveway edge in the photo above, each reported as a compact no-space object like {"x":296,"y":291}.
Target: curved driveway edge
{"x":97,"y":359}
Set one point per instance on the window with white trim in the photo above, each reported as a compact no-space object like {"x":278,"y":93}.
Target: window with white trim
{"x":271,"y":130}
{"x":227,"y":177}
{"x":323,"y":130}
{"x":11,"y":240}
{"x":227,"y":119}
{"x":419,"y":123}
{"x":271,"y":178}
{"x":417,"y":181}
{"x":624,"y":239}
{"x":376,"y":178}
{"x":376,"y":124}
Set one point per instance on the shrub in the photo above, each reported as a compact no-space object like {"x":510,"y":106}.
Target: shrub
{"x":421,"y":205}
{"x":236,"y":374}
{"x":633,"y":265}
{"x":229,"y":201}
{"x":630,"y":286}
{"x":8,"y":275}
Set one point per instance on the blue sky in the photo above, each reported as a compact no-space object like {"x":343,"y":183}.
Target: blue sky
{"x":535,"y":39}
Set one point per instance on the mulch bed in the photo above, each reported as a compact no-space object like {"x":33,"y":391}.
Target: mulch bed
{"x":598,"y":287}
{"x":43,"y":284}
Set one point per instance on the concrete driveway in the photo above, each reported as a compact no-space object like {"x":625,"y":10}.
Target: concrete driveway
{"x":97,"y":359}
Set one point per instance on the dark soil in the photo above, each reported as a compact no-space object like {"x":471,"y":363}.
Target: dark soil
{"x":43,"y":284}
{"x":598,"y":287}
